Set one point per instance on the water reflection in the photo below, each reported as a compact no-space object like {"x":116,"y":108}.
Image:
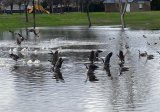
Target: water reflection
{"x":32,"y":85}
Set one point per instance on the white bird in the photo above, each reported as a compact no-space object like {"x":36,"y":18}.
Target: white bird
{"x":29,"y":62}
{"x":35,"y":52}
{"x":10,"y":51}
{"x":24,"y":51}
{"x":37,"y":61}
{"x":15,"y":50}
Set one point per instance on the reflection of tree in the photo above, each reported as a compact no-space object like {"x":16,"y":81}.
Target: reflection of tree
{"x":88,"y":16}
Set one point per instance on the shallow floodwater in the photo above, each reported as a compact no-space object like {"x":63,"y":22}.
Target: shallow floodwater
{"x":28,"y":87}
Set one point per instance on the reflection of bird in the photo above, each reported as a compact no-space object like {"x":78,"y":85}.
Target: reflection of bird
{"x":58,"y":75}
{"x":142,"y":54}
{"x":90,"y":73}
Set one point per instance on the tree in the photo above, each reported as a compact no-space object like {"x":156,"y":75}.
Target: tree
{"x":155,"y":5}
{"x":9,"y":3}
{"x":34,"y":16}
{"x":26,"y":2}
{"x":19,"y":3}
{"x":122,"y":9}
{"x":88,"y":16}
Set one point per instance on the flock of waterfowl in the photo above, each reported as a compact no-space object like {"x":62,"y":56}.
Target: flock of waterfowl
{"x":56,"y":60}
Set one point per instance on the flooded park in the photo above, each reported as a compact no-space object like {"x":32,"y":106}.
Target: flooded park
{"x":30,"y":85}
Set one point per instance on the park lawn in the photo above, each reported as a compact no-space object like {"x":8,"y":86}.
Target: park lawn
{"x":134,"y":20}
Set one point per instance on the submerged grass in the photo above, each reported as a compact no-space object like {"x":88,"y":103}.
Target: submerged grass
{"x":135,"y":20}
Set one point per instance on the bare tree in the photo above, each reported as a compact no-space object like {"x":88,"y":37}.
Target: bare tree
{"x":88,"y":16}
{"x":26,"y":2}
{"x":34,"y":17}
{"x":122,"y":7}
{"x":19,"y":3}
{"x":9,"y":3}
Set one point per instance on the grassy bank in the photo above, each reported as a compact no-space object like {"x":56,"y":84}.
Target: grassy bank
{"x":135,"y":20}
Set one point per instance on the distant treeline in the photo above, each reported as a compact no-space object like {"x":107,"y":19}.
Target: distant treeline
{"x":155,"y":5}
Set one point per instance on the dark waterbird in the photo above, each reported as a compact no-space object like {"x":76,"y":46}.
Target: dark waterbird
{"x":58,"y":64}
{"x":12,"y":32}
{"x":149,"y":57}
{"x":91,"y":57}
{"x":54,"y":57}
{"x":121,"y":56}
{"x":107,"y":59}
{"x":14,"y":56}
{"x":21,"y":37}
{"x":142,"y":54}
{"x":34,"y":32}
{"x":94,"y":55}
{"x":106,"y":63}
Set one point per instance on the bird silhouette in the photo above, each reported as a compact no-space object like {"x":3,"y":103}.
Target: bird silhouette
{"x":34,"y":32}
{"x":90,"y":73}
{"x":121,"y":56}
{"x":142,"y":54}
{"x":54,"y":57}
{"x":14,"y":56}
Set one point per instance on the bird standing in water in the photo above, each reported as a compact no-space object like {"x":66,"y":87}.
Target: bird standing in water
{"x":96,"y":55}
{"x":54,"y":58}
{"x":121,"y":56}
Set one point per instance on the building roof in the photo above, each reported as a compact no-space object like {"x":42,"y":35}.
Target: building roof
{"x":116,"y":1}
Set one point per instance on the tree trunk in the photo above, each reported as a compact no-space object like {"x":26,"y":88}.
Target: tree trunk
{"x":89,"y":20}
{"x":52,"y":7}
{"x":122,"y":8}
{"x":61,"y":7}
{"x":82,"y":4}
{"x":19,"y":8}
{"x":34,"y":17}
{"x":11,"y":7}
{"x":26,"y":13}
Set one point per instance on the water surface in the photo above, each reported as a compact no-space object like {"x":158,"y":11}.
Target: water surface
{"x":33,"y":87}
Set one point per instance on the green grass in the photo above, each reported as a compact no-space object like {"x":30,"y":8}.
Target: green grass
{"x":134,"y":20}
